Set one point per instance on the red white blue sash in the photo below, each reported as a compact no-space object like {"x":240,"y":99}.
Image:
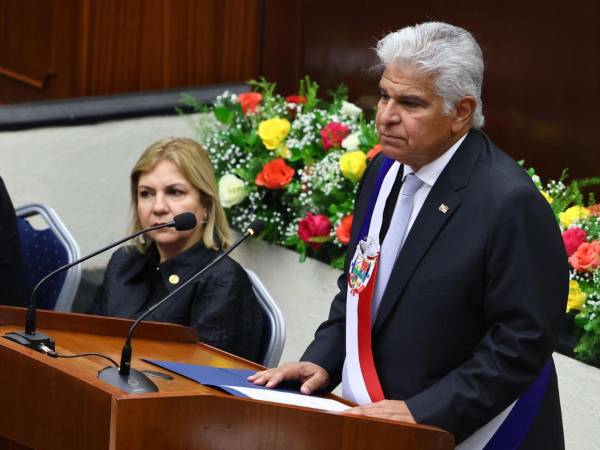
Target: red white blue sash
{"x":360,"y":380}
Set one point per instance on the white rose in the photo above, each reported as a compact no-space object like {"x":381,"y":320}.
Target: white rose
{"x":350,"y":110}
{"x":351,"y":142}
{"x":232,"y":190}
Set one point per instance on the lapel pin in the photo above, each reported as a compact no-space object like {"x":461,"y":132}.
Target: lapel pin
{"x":443,"y":208}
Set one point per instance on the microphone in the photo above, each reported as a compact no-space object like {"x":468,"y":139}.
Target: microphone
{"x":30,"y":337}
{"x":134,"y":381}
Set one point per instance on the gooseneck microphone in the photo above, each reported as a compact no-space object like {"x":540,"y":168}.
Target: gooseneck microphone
{"x":30,"y":337}
{"x":134,"y":381}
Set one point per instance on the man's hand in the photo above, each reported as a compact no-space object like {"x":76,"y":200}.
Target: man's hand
{"x":385,"y":409}
{"x":311,"y":376}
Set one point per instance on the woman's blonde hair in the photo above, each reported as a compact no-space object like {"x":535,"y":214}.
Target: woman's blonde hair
{"x":193,"y":162}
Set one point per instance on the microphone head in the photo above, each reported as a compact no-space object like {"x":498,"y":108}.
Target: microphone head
{"x":255,"y":227}
{"x":184,"y":221}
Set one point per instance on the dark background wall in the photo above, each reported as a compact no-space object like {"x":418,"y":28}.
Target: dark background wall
{"x":541,"y":88}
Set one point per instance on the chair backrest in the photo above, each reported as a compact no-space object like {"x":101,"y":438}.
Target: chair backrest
{"x":273,"y":324}
{"x":45,"y":250}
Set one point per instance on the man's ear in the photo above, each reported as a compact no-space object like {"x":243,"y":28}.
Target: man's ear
{"x":464,"y":110}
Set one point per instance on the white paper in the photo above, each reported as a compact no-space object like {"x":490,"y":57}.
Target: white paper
{"x":291,"y":399}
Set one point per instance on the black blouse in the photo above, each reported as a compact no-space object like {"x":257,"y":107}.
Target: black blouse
{"x":220,"y":304}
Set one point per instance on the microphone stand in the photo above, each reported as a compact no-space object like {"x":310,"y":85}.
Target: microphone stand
{"x":35,"y":340}
{"x":132,"y":380}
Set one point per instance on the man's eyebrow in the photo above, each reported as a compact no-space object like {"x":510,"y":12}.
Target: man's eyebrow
{"x":411,"y":98}
{"x":403,"y":97}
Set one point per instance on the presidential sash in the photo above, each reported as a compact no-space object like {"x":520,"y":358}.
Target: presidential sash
{"x":360,"y":380}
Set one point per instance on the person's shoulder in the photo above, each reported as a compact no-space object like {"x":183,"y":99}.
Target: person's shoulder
{"x":124,"y":258}
{"x":497,"y":172}
{"x":227,"y":271}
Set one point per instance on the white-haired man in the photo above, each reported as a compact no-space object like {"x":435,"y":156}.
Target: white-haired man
{"x":453,"y":323}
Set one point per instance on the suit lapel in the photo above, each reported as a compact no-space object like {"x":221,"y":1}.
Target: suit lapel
{"x":429,"y":223}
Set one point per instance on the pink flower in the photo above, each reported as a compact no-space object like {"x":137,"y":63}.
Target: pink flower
{"x":587,"y":257}
{"x":314,"y":230}
{"x":333,"y":134}
{"x":573,"y":238}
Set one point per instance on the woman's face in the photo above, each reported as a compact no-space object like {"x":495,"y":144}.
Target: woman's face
{"x":162,"y":193}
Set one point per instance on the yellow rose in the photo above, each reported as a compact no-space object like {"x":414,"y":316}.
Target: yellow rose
{"x":547,"y":196}
{"x":576,"y":296}
{"x":273,"y":132}
{"x":572,"y":214}
{"x":353,"y":165}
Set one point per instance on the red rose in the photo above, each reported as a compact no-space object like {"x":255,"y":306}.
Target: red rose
{"x":333,"y":134}
{"x":298,"y":99}
{"x":573,"y":238}
{"x":343,"y":229}
{"x":275,"y":174}
{"x":314,"y":230}
{"x":249,"y":101}
{"x":587,"y":257}
{"x":374,"y":151}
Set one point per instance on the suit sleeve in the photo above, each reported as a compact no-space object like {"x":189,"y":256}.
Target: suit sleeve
{"x":525,"y":292}
{"x":328,"y":349}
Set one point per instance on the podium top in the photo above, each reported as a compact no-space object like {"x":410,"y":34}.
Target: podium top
{"x":60,"y":403}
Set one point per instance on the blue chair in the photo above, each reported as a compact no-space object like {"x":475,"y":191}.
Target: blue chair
{"x":45,"y":250}
{"x":273,"y":323}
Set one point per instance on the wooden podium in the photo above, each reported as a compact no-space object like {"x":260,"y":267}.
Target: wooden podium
{"x":48,"y":403}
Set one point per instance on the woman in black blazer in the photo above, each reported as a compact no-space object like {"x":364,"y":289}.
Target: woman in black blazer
{"x":171,"y":177}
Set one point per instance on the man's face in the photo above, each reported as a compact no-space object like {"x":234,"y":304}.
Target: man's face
{"x":410,"y":120}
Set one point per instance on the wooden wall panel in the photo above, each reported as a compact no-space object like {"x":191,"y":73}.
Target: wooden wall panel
{"x":542,"y":80}
{"x":138,"y":45}
{"x":96,"y":47}
{"x":37,"y":49}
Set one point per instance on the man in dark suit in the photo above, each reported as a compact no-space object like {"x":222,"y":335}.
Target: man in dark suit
{"x":469,"y":298}
{"x":11,"y":270}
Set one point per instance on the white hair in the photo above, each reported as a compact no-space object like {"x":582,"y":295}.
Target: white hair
{"x":448,"y":53}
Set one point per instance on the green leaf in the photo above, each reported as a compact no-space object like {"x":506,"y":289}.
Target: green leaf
{"x":224,"y":115}
{"x":237,"y":137}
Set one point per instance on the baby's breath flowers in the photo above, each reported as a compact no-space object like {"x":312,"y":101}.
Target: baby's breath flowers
{"x":292,"y":161}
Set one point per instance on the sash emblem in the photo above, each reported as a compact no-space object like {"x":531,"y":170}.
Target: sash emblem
{"x":363,"y":263}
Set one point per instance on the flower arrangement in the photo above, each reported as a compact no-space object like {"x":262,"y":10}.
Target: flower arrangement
{"x":292,"y":161}
{"x":579,"y":221}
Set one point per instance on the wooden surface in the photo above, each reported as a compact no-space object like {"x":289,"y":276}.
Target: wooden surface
{"x":60,"y":404}
{"x":53,"y":49}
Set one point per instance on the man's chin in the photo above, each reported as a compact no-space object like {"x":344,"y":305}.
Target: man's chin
{"x":393,"y":152}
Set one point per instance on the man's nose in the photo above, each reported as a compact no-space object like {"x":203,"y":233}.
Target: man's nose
{"x":389,"y":112}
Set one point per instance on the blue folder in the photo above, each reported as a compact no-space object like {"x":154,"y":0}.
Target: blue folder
{"x":219,"y":377}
